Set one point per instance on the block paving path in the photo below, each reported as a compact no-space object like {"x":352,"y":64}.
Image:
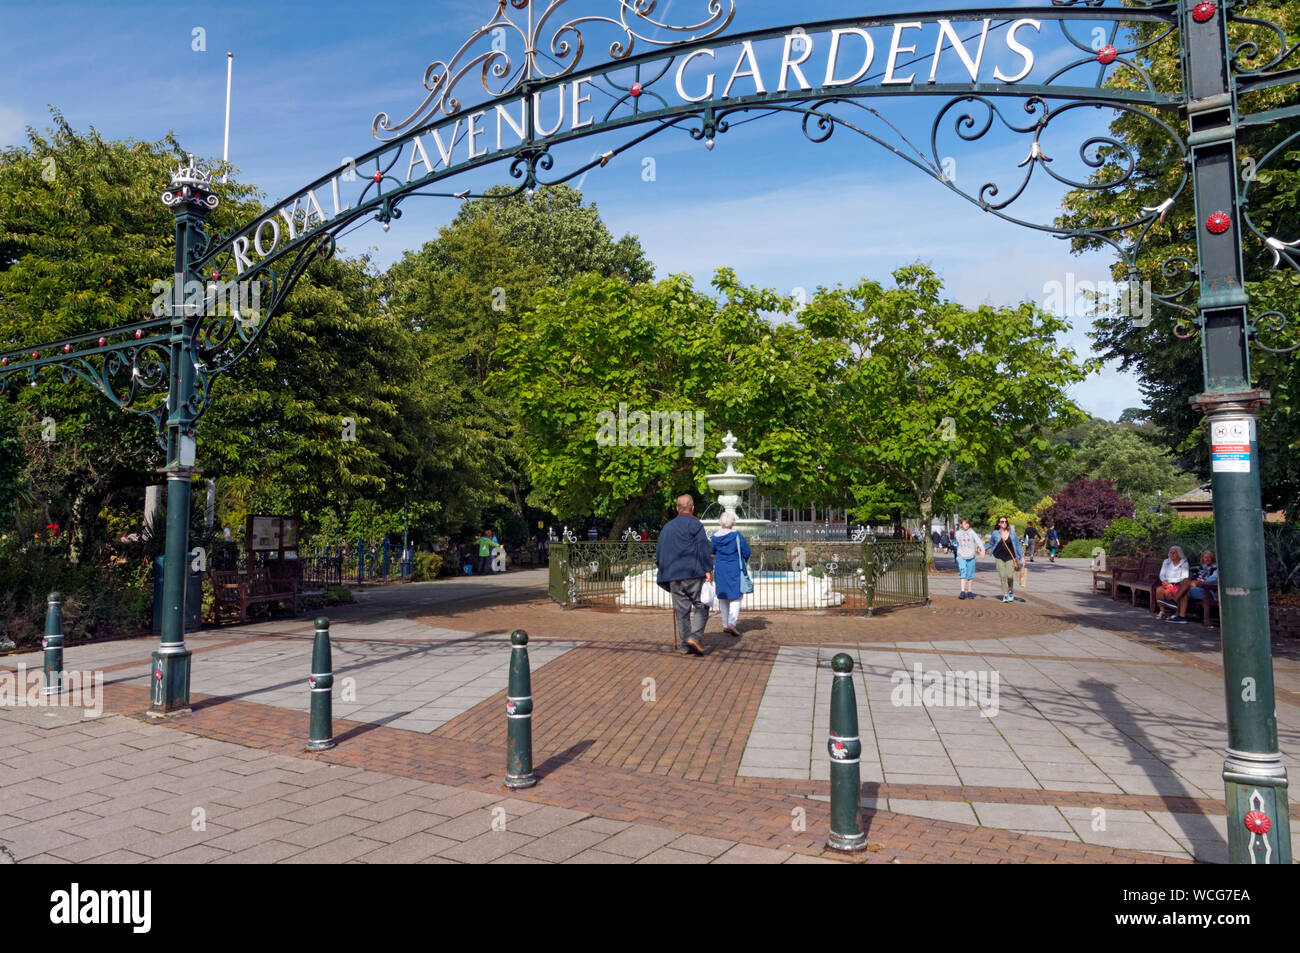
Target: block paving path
{"x":644,"y":756}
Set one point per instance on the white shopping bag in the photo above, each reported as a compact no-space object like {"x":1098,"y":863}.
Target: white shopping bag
{"x":708,"y":594}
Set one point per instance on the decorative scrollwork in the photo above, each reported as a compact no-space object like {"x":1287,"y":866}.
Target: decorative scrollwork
{"x":1112,"y":165}
{"x":551,"y":49}
{"x":1171,"y":268}
{"x":1102,"y":3}
{"x":525,"y":166}
{"x":1284,"y":253}
{"x":1246,"y":54}
{"x":1278,"y":325}
{"x":125,"y":365}
{"x":1281,"y":249}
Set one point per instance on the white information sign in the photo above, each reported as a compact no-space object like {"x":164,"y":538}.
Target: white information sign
{"x":1230,"y":444}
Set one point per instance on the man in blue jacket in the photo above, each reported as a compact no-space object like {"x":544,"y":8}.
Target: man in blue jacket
{"x":685,"y":562}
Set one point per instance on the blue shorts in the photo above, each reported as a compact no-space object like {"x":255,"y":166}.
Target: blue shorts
{"x":966,"y":567}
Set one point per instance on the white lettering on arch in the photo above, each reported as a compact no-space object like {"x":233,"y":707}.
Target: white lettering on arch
{"x":894,"y":50}
{"x":578,"y":100}
{"x":418,"y":155}
{"x":275,"y":236}
{"x":1019,"y":48}
{"x":504,"y":114}
{"x":537,"y":115}
{"x":746,"y":56}
{"x":834,"y":56}
{"x":445,"y":150}
{"x":788,"y":65}
{"x":946,"y":34}
{"x":474,"y":133}
{"x":708,"y":89}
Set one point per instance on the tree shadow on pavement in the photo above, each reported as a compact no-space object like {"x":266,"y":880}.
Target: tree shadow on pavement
{"x":1195,"y":827}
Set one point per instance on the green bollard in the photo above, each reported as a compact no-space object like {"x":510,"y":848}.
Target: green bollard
{"x":320,"y":736}
{"x":519,"y":716}
{"x":53,"y":645}
{"x":845,"y":749}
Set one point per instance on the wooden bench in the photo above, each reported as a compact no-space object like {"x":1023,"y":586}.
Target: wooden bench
{"x":234,"y":592}
{"x":1146,"y":582}
{"x":1124,"y":573}
{"x":1208,"y":606}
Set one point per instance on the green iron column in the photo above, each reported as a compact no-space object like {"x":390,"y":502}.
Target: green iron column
{"x":519,"y":715}
{"x":53,"y":645}
{"x":191,"y":198}
{"x":845,"y":748}
{"x":1253,"y":773}
{"x":320,"y":726}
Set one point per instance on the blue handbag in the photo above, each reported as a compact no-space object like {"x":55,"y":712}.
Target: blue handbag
{"x":746,"y":584}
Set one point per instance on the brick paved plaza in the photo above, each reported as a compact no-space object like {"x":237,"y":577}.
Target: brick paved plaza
{"x":1104,"y":744}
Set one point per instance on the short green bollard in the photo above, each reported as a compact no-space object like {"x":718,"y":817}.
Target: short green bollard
{"x":53,"y":645}
{"x":519,"y":716}
{"x":845,"y":749}
{"x":320,"y":736}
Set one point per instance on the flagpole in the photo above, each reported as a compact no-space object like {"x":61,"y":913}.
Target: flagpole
{"x":225,"y":151}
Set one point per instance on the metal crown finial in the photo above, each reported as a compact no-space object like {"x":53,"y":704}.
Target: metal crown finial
{"x":192,"y":174}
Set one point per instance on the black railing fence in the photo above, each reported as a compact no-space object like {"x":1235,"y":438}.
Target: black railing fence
{"x":863,"y":576}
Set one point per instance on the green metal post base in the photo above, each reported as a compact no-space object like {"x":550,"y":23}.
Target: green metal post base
{"x":845,"y":749}
{"x":53,"y":645}
{"x":1259,"y":830}
{"x":169,"y":690}
{"x":320,"y":735}
{"x":519,"y":716}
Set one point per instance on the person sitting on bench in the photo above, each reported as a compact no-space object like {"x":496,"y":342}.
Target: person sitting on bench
{"x":1206,"y":586}
{"x":1175,"y":582}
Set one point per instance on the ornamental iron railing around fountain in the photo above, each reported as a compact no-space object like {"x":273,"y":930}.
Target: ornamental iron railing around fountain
{"x":852,"y":577}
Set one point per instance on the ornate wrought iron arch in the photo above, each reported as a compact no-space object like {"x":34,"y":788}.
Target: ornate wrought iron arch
{"x":1221,"y":61}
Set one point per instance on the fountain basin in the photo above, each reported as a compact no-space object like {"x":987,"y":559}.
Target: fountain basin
{"x":772,"y":590}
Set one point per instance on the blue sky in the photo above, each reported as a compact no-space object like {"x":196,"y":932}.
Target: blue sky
{"x":309,"y":79}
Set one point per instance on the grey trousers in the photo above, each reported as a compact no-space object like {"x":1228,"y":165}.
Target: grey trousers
{"x":1007,"y":575}
{"x":686,"y":603}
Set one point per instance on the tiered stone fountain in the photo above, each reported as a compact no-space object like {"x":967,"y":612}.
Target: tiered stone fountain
{"x":729,"y":485}
{"x":797,"y":589}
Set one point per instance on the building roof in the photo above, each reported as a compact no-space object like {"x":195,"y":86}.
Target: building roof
{"x":1201,"y":494}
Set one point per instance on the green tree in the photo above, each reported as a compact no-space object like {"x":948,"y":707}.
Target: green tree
{"x":555,"y":231}
{"x":483,"y":270}
{"x":83,"y":237}
{"x":603,"y":345}
{"x":1135,"y":466}
{"x":1165,"y":352}
{"x":280,"y":420}
{"x":921,"y":384}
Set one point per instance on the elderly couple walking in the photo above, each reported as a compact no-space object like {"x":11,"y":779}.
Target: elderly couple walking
{"x":687,"y":558}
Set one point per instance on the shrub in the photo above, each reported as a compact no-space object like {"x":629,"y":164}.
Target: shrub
{"x":109,"y":599}
{"x":1079,"y":548}
{"x":1084,"y":508}
{"x":1014,"y":514}
{"x":1282,"y":557}
{"x":1152,"y":533}
{"x":336,"y":595}
{"x":425,"y":566}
